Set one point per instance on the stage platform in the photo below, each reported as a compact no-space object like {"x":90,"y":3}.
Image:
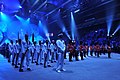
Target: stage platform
{"x":92,"y":68}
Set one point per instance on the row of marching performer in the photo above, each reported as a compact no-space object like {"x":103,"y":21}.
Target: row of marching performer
{"x":23,"y":52}
{"x":83,"y":49}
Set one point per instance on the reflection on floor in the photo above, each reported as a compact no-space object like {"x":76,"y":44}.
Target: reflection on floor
{"x":91,"y":68}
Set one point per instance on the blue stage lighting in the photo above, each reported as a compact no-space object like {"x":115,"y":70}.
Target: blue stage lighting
{"x":43,"y":26}
{"x":76,"y":10}
{"x":40,"y":24}
{"x":4,"y":17}
{"x":116,"y":30}
{"x":23,"y":21}
{"x":72,"y":27}
{"x":65,"y":31}
{"x":20,"y":6}
{"x":7,"y":41}
{"x":74,"y":32}
{"x":61,"y":24}
{"x":20,"y":19}
{"x":109,"y":24}
{"x":28,"y":20}
{"x":110,"y":10}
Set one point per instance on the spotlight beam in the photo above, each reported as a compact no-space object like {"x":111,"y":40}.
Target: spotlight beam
{"x":35,"y":3}
{"x":116,"y":30}
{"x":22,"y":2}
{"x":72,"y":27}
{"x":4,"y":17}
{"x":109,"y":24}
{"x":41,"y":5}
{"x":110,"y":17}
{"x":44,"y":28}
{"x":61,"y":24}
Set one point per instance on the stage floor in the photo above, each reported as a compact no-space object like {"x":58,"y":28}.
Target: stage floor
{"x":92,"y":68}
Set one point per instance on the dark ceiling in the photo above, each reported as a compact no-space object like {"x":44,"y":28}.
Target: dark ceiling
{"x":91,"y":12}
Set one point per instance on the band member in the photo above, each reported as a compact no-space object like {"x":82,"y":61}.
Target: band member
{"x":70,"y":49}
{"x":95,"y":49}
{"x":25,"y":53}
{"x":65,"y":51}
{"x":46,"y":51}
{"x":98,"y":49}
{"x":38,"y":53}
{"x":103,"y":49}
{"x":75,"y":51}
{"x":32,"y":51}
{"x":41,"y":52}
{"x":81,"y":50}
{"x":61,"y":48}
{"x":17,"y":53}
{"x":86,"y":48}
{"x":53,"y":54}
{"x":35,"y":52}
{"x":109,"y":50}
{"x":11,"y":52}
{"x":91,"y":49}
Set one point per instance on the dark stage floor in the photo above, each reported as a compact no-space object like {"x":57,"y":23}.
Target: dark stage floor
{"x":91,"y":68}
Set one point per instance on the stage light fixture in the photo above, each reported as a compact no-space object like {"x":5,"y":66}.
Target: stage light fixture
{"x":20,"y":6}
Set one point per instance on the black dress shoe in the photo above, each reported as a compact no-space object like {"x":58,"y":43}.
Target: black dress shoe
{"x":28,"y":69}
{"x":20,"y":70}
{"x":45,"y":67}
{"x":49,"y":65}
{"x":51,"y":61}
{"x":9,"y":61}
{"x":32,"y":62}
{"x":37,"y":63}
{"x":55,"y":61}
{"x":41,"y":63}
{"x":18,"y":63}
{"x":13,"y":64}
{"x":16,"y":66}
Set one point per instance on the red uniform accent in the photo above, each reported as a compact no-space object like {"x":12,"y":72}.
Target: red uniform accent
{"x":91,"y":48}
{"x":108,"y":48}
{"x":70,"y":48}
{"x":97,"y":48}
{"x":86,"y":48}
{"x":80,"y":47}
{"x":103,"y":48}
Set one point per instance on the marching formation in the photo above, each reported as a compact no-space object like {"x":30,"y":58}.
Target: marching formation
{"x":23,"y":52}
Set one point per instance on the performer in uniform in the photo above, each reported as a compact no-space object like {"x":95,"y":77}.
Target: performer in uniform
{"x":11,"y":52}
{"x":25,"y":53}
{"x":109,"y":50}
{"x":98,"y":49}
{"x":75,"y":50}
{"x":103,"y":49}
{"x":38,"y":53}
{"x":17,"y":53}
{"x":91,"y":49}
{"x":70,"y":49}
{"x":46,"y":51}
{"x":53,"y":54}
{"x":41,"y":52}
{"x":81,"y":50}
{"x":61,"y":48}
